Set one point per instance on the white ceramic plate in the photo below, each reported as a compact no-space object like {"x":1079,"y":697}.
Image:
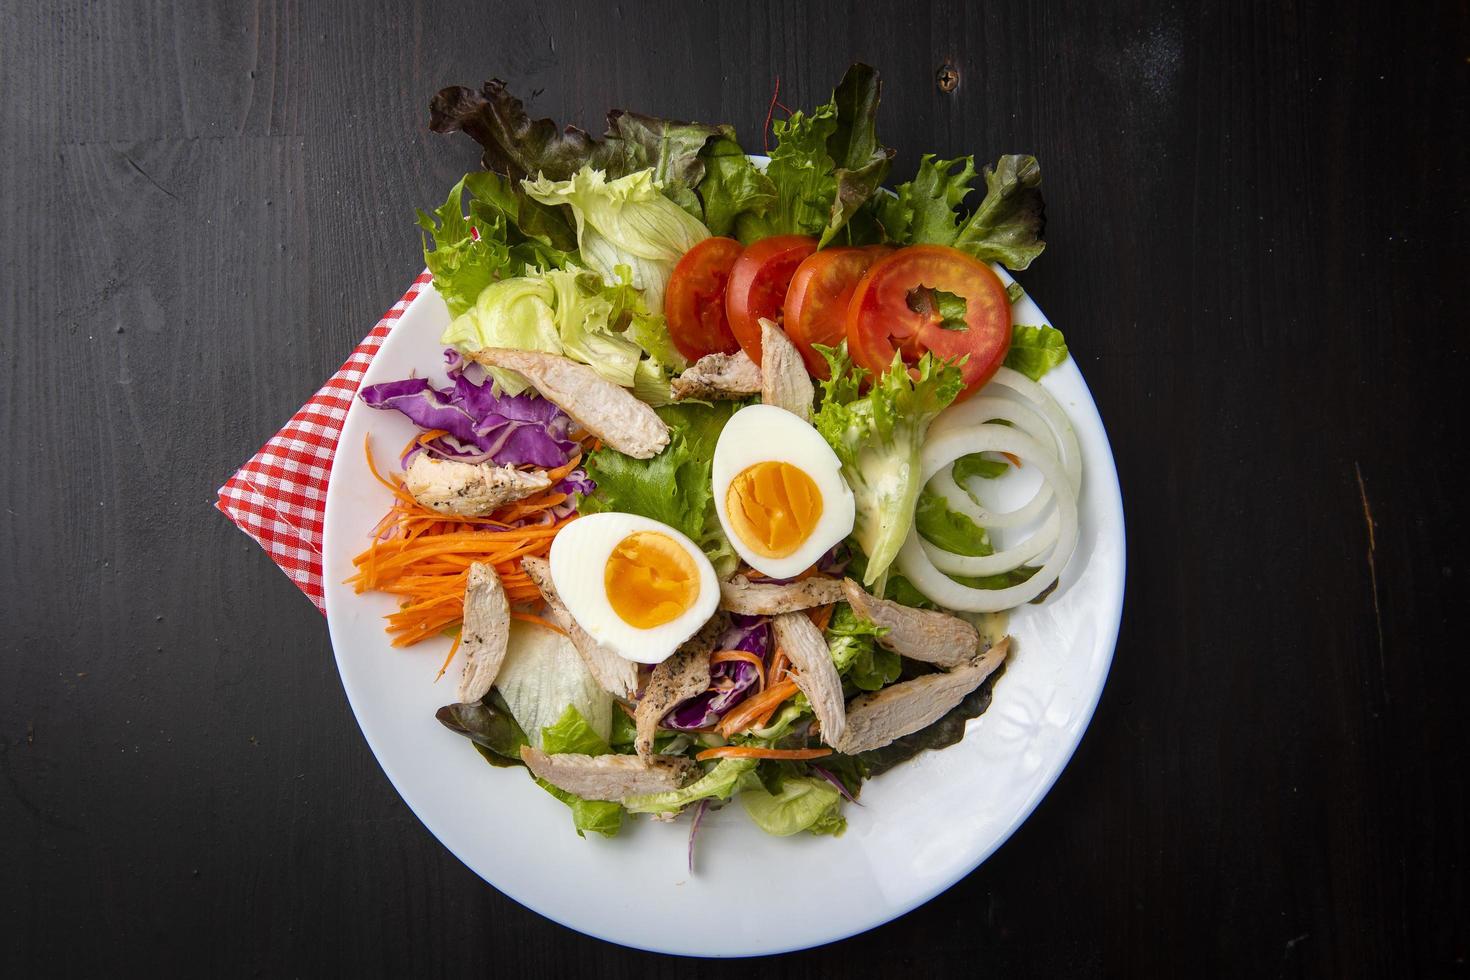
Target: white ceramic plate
{"x":924,"y":825}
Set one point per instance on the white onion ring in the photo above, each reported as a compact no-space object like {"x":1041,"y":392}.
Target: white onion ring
{"x":966,"y":415}
{"x":1071,"y":452}
{"x":942,"y":451}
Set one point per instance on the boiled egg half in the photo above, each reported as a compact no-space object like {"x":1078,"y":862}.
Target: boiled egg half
{"x":637,"y":586}
{"x":779,"y":491}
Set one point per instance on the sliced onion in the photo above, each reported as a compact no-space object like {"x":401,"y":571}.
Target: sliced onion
{"x":1071,"y":452}
{"x":988,"y":408}
{"x":941,"y":452}
{"x":966,"y":415}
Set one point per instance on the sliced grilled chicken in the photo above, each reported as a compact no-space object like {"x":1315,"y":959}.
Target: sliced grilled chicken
{"x":784,"y":381}
{"x":816,"y":675}
{"x":609,"y":777}
{"x":919,"y":634}
{"x":717,"y":376}
{"x":684,"y":674}
{"x":615,"y":675}
{"x":452,"y":487}
{"x":740,"y":595}
{"x":604,"y":409}
{"x":874,"y":720}
{"x":485,"y":633}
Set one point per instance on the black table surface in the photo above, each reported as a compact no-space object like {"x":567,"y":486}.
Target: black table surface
{"x":1257,"y":249}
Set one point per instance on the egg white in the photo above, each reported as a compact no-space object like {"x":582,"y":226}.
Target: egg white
{"x":579,"y":555}
{"x":765,"y":433}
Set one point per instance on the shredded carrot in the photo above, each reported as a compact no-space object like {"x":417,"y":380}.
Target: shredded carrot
{"x":424,"y":557}
{"x":821,"y":615}
{"x":722,"y":656}
{"x":453,"y":649}
{"x":758,"y":752}
{"x":1015,"y":460}
{"x":778,"y":664}
{"x":750,"y":709}
{"x":556,"y":475}
{"x":526,"y":617}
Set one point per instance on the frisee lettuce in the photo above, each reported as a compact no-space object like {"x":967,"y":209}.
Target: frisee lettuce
{"x":877,"y":437}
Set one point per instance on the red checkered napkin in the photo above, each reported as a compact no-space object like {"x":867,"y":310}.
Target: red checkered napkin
{"x":279,"y":497}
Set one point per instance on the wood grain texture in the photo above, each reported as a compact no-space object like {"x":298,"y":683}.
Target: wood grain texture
{"x":1257,"y":249}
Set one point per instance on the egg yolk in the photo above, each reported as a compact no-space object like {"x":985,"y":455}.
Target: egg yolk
{"x":650,"y":579}
{"x":773,"y":507}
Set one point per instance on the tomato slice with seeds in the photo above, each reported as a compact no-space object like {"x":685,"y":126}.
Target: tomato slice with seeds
{"x":757,"y":286}
{"x":694,"y":303}
{"x":930,"y":298}
{"x":817,"y":300}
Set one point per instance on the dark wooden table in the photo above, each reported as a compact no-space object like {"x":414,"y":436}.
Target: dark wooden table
{"x":1258,"y":251}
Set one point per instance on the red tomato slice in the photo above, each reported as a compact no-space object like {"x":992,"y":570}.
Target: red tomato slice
{"x":694,"y":303}
{"x":817,"y":300}
{"x":758,"y":284}
{"x":882,"y":319}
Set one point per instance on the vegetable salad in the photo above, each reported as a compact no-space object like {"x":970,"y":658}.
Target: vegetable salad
{"x":709,"y":502}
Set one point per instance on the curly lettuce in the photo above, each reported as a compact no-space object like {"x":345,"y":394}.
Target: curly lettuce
{"x":827,"y":164}
{"x":1006,"y":227}
{"x":470,"y":253}
{"x":877,"y":436}
{"x":852,"y":642}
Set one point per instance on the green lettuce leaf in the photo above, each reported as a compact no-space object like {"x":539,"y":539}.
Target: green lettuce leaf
{"x":801,"y":172}
{"x":600,"y":816}
{"x":976,"y":464}
{"x":877,"y":437}
{"x":803,"y":803}
{"x":862,"y":164}
{"x":572,"y":734}
{"x":1006,"y":227}
{"x":948,"y":529}
{"x":519,"y":147}
{"x":672,"y":487}
{"x":786,"y":719}
{"x":1035,"y":350}
{"x":515,"y":312}
{"x":672,"y":150}
{"x":720,"y":783}
{"x":584,"y":318}
{"x":1008,"y":224}
{"x":826,"y":165}
{"x":625,"y":221}
{"x":858,"y":658}
{"x":469,"y":254}
{"x":732,"y":186}
{"x":571,"y":312}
